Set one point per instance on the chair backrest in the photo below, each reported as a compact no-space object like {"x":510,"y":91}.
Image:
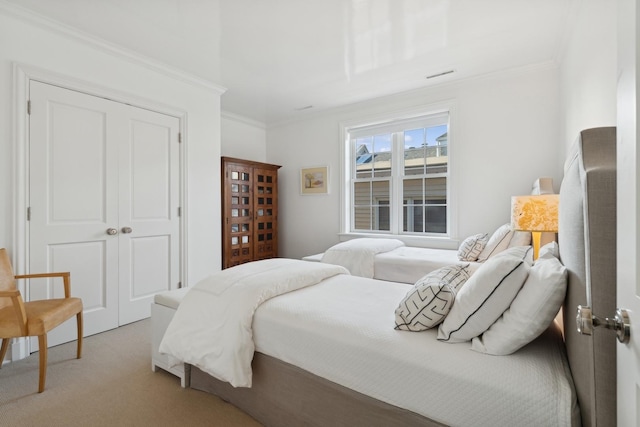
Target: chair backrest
{"x":7,"y":278}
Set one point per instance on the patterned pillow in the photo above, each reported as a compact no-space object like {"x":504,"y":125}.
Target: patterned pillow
{"x":471,"y":247}
{"x":532,"y":310}
{"x":430,"y":299}
{"x":483,"y":299}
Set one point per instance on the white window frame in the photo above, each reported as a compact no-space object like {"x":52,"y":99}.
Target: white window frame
{"x":448,"y":240}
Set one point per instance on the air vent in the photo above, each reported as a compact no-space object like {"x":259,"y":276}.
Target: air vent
{"x":444,"y":73}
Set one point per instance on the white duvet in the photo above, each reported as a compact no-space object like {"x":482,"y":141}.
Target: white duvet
{"x":212,"y":328}
{"x":358,"y":255}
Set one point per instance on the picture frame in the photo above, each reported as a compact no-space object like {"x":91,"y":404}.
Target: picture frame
{"x":314,"y":180}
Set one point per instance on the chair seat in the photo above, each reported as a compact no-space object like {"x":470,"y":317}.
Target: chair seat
{"x":42,"y":315}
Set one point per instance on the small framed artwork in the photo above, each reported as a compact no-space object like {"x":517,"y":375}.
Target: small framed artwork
{"x":314,"y":180}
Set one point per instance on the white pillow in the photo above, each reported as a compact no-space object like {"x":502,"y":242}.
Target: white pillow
{"x":532,"y":310}
{"x":524,"y":253}
{"x":471,"y":247}
{"x":498,"y":242}
{"x":430,"y":299}
{"x":483,"y":299}
{"x":520,"y":238}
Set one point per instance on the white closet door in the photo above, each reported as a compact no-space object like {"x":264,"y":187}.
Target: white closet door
{"x":149,"y":222}
{"x":73,"y":201}
{"x":97,"y":166}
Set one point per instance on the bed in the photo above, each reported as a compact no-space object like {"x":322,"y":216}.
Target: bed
{"x":391,"y":260}
{"x":357,"y":370}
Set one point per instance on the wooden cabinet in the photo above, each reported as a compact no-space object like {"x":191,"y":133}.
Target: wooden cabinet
{"x":249,"y":211}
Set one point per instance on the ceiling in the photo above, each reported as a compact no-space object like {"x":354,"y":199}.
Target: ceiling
{"x":279,"y":57}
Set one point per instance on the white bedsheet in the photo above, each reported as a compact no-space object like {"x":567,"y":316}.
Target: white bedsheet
{"x":357,"y":255}
{"x":212,"y":328}
{"x":342,"y":329}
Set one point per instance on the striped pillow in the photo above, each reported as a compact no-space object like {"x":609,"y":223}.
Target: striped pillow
{"x":498,"y":242}
{"x":430,"y":299}
{"x":483,"y":299}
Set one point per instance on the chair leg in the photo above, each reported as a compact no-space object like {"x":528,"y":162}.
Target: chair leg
{"x":42,"y":343}
{"x":3,"y":349}
{"x":79,"y":321}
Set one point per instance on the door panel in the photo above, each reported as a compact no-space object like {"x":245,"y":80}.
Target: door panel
{"x":73,"y":200}
{"x":149,"y":188}
{"x":628,"y":216}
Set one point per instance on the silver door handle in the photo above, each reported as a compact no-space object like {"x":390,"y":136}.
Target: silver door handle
{"x":127,"y":230}
{"x":586,"y":322}
{"x":112,"y":231}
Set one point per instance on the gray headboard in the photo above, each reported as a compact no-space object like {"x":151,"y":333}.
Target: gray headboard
{"x":587,"y":241}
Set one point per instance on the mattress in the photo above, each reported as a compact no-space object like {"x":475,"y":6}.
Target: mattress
{"x":407,"y":264}
{"x":343,"y":330}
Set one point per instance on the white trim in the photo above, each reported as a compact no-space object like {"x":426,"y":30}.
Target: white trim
{"x":242,"y":119}
{"x":22,"y":76}
{"x":117,"y":51}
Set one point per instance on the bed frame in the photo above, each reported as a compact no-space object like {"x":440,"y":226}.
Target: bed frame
{"x":284,"y":395}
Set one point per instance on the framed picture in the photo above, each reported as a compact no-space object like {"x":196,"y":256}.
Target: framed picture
{"x":314,"y":180}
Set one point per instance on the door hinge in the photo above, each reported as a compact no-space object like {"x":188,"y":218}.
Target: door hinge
{"x":179,"y":285}
{"x":179,"y":211}
{"x":29,"y":213}
{"x":29,"y":107}
{"x":179,"y":137}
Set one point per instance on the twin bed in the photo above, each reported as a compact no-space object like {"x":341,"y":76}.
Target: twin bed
{"x":322,"y":350}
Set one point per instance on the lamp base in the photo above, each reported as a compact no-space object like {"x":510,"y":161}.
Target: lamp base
{"x":535,"y":237}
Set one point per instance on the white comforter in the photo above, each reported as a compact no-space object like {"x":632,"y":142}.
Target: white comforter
{"x":358,"y":255}
{"x":212,"y":328}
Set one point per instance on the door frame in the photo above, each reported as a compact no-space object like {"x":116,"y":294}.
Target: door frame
{"x":22,"y":76}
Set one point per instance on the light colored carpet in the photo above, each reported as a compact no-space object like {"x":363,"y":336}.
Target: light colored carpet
{"x":111,"y":385}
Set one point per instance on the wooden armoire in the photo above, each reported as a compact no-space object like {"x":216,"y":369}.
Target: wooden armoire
{"x":249,"y":211}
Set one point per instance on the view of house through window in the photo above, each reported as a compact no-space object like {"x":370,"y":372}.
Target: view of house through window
{"x":399,"y":174}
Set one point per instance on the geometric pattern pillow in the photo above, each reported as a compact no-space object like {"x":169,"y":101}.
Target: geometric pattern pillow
{"x":430,"y":299}
{"x":471,"y":247}
{"x":483,"y":299}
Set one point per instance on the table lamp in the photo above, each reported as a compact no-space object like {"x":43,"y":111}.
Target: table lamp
{"x":537,"y":214}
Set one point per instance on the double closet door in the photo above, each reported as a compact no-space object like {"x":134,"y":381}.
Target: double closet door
{"x":104,"y":184}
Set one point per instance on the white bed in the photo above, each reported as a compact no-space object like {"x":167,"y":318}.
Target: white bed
{"x":392,"y":260}
{"x":341,"y":328}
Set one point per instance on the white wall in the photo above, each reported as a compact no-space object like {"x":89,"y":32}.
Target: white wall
{"x":507,"y":135}
{"x":34,"y":42}
{"x":588,"y":76}
{"x":243,"y":138}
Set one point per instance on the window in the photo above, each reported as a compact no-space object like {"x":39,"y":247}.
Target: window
{"x":399,"y":176}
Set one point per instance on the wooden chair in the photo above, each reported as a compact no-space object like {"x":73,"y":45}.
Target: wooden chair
{"x":33,"y":318}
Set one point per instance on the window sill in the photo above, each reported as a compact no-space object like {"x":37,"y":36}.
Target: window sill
{"x":409,"y":240}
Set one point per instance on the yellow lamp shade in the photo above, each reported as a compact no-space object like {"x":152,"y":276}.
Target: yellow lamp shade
{"x":535,"y":213}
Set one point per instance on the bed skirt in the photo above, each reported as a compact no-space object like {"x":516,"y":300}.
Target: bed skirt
{"x":285,"y":395}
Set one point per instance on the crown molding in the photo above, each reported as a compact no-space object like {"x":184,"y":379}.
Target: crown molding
{"x":112,"y":49}
{"x":242,"y":119}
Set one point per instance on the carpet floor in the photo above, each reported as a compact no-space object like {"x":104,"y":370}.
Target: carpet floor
{"x":112,"y":385}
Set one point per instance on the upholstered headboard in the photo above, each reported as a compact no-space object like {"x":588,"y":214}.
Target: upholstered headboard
{"x":587,"y":240}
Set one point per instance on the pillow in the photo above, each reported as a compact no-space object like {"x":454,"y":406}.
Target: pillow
{"x":520,"y":238}
{"x":483,"y":299}
{"x":498,"y":242}
{"x":524,"y":253}
{"x":532,"y":310}
{"x":430,"y":299}
{"x":471,"y":247}
{"x":550,"y":249}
